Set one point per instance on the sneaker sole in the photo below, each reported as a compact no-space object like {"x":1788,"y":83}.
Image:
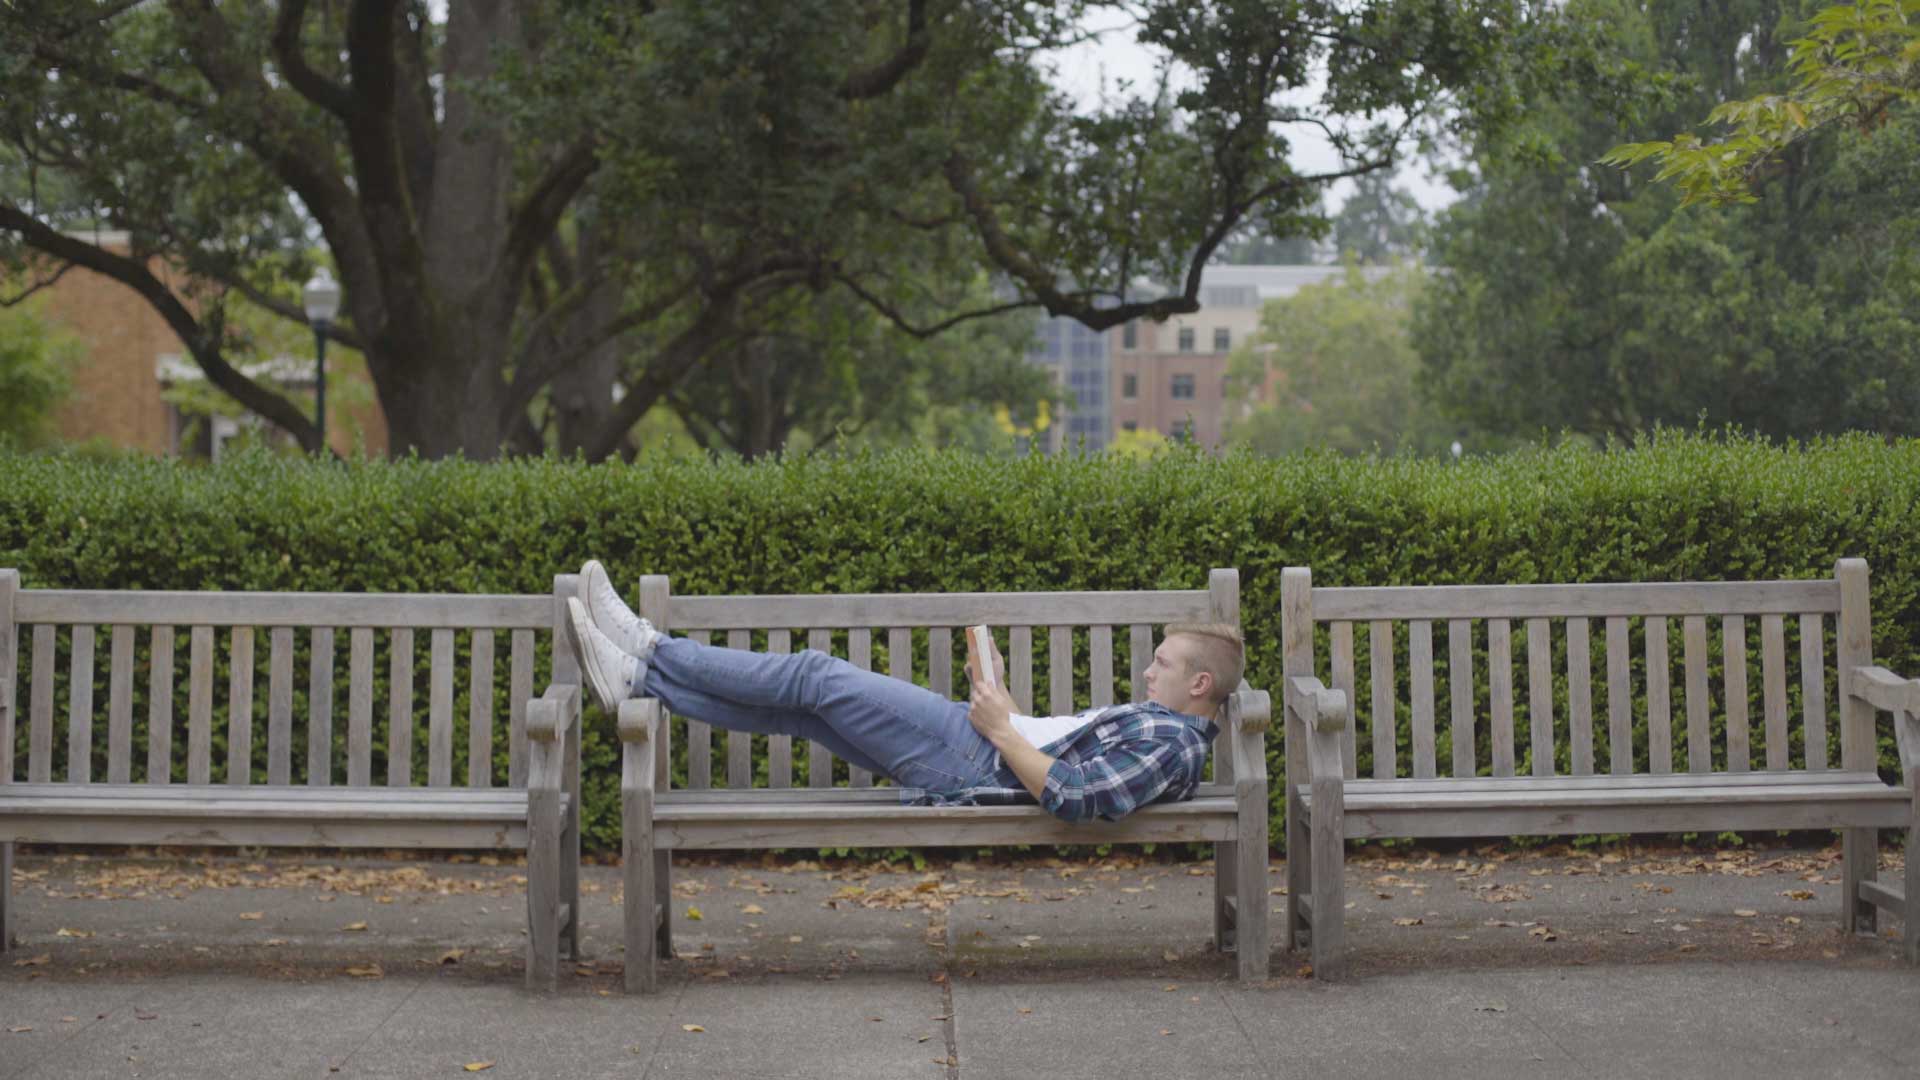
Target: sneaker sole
{"x":597,"y":680}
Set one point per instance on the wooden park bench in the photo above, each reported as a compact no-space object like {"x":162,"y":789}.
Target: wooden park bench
{"x":1580,"y":770}
{"x":759,"y":802}
{"x":300,"y":785}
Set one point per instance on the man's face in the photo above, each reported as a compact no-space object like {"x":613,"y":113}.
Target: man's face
{"x":1167,"y":679}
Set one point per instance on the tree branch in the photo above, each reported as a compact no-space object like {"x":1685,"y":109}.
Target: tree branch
{"x":899,"y":319}
{"x":877,"y":80}
{"x":25,"y":294}
{"x":311,"y":85}
{"x":533,"y":221}
{"x":204,"y":348}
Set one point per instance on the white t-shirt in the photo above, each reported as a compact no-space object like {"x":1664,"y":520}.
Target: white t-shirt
{"x":1043,"y":731}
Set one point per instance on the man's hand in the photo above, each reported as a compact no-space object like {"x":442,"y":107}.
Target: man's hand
{"x":992,"y":709}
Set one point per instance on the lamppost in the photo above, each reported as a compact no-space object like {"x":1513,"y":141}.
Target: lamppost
{"x":322,"y":299}
{"x":1456,"y":448}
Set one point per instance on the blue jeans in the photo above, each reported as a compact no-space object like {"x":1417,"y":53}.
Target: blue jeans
{"x":882,"y":724}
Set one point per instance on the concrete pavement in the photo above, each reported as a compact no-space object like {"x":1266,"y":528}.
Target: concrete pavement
{"x":1471,"y":962}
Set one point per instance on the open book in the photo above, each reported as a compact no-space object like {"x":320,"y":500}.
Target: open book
{"x":980,"y":654}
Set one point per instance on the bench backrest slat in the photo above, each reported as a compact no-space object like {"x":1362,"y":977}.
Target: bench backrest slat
{"x":1725,"y":628}
{"x":1079,"y":630}
{"x":226,"y":673}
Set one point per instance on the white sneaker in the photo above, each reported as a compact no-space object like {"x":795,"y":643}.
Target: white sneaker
{"x":611,"y":615}
{"x":611,"y":672}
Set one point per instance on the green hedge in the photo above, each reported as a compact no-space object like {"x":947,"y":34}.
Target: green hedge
{"x":1673,"y":507}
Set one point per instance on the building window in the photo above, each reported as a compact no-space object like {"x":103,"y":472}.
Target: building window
{"x":1186,"y":339}
{"x":1129,"y":425}
{"x":1129,"y":336}
{"x":1222,"y":339}
{"x":1129,"y":387}
{"x":1183,"y":388}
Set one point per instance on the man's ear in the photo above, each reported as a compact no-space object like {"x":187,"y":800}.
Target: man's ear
{"x":1202,"y":684}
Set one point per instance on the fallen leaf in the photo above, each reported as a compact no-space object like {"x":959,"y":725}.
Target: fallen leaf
{"x":477,"y":1066}
{"x":253,"y":916}
{"x":1171,"y":987}
{"x":753,"y":909}
{"x":1408,"y":921}
{"x":452,"y":956}
{"x":693,"y":913}
{"x":1026,"y":1011}
{"x":276,"y":942}
{"x":370,"y":971}
{"x":1543,"y":934}
{"x":138,"y":1015}
{"x":72,"y":933}
{"x":1166,"y":1031}
{"x":33,"y":961}
{"x":1170,"y":956}
{"x":1689,"y":948}
{"x":1792,"y":920}
{"x":1746,"y":913}
{"x":695,"y":1028}
{"x":795,"y":939}
{"x":923,"y":1038}
{"x":1492,"y":1006}
{"x":352,"y":926}
{"x":20,"y":1030}
{"x":1798,"y":894}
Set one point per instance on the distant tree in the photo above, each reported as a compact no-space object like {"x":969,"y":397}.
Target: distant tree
{"x":34,"y":360}
{"x":1333,"y":365}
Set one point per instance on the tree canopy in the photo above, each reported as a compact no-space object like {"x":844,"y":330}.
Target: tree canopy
{"x":548,"y":217}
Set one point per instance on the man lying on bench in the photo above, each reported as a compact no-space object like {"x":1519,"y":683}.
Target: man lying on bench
{"x":1104,"y":762}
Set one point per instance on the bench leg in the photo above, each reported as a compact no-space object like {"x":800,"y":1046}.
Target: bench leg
{"x":543,"y":889}
{"x":1329,"y":853}
{"x":6,"y":897}
{"x":1250,"y":883}
{"x":1299,"y":875}
{"x":570,"y":880}
{"x":663,"y":888}
{"x":1912,"y":891}
{"x":1859,"y":861}
{"x":639,"y":870}
{"x":1223,"y":895}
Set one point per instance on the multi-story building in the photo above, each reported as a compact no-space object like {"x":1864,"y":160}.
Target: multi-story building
{"x":1077,"y":359}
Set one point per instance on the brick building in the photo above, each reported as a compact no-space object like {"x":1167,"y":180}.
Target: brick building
{"x":130,"y":357}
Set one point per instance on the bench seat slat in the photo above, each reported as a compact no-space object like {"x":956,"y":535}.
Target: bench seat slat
{"x":835,"y":612}
{"x":1795,"y":778}
{"x":1544,"y":792}
{"x":758,"y":823}
{"x":289,"y":609}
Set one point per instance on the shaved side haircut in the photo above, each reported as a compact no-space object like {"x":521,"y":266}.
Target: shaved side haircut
{"x":1218,"y":650}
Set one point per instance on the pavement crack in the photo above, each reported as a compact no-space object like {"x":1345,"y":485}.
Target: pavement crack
{"x":1253,"y":1048}
{"x":654,"y":1054}
{"x":341,"y":1065}
{"x":939,"y":920}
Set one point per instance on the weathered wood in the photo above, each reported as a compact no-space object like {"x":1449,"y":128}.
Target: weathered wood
{"x":1020,"y":667}
{"x":1604,"y":783}
{"x":1773,"y":682}
{"x":1460,"y":696}
{"x":1540,"y":697}
{"x":320,"y":706}
{"x":1139,"y":658}
{"x":519,"y":689}
{"x":740,"y":743}
{"x":819,"y":758}
{"x":1099,"y":665}
{"x":688,"y":827}
{"x":480,"y":711}
{"x":940,"y":661}
{"x":275,"y":609}
{"x":780,"y":747}
{"x":1560,"y":601}
{"x":119,"y":709}
{"x":1500,"y":694}
{"x":1383,"y":718}
{"x":280,"y":706}
{"x":1659,"y":699}
{"x":440,"y":710}
{"x":1060,"y":671}
{"x":1859,"y":747}
{"x":400,"y":709}
{"x":40,"y":707}
{"x":360,"y":707}
{"x":196,"y":830}
{"x":240,"y":706}
{"x":1340,"y":644}
{"x":939,"y":609}
{"x":1619,"y":699}
{"x":1886,"y":691}
{"x":1420,"y":668}
{"x":639,"y":723}
{"x":160,"y":706}
{"x":699,"y":734}
{"x":860,"y":655}
{"x":1813,"y":691}
{"x":1230,"y":857}
{"x":1817,"y":811}
{"x":9,"y":706}
{"x":200,"y":707}
{"x":1733,"y":654}
{"x":1579,"y":696}
{"x":80,"y":708}
{"x":1296,"y":644}
{"x":1699,"y":714}
{"x":1328,"y":826}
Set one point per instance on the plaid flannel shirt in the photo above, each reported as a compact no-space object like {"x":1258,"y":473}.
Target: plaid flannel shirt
{"x":1131,"y":755}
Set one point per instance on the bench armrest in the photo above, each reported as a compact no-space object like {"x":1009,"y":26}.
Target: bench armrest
{"x":640,"y":719}
{"x":1249,"y":710}
{"x":550,"y":714}
{"x":642,"y":723}
{"x":1319,"y":708}
{"x":1882,"y":689}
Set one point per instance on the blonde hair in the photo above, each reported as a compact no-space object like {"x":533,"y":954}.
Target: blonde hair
{"x":1218,"y":650}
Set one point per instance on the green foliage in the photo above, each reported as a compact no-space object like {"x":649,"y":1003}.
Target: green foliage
{"x":1670,"y":507}
{"x":1855,"y":65}
{"x":34,"y":358}
{"x":1582,"y":299}
{"x":1333,"y":366}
